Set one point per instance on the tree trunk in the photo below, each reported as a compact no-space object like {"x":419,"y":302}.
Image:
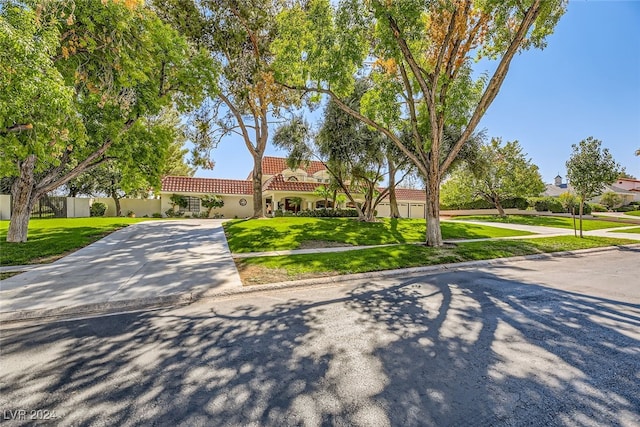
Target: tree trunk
{"x":496,"y":202}
{"x":394,"y":212}
{"x":434,"y":234}
{"x":581,"y":211}
{"x":22,"y":201}
{"x":257,"y":185}
{"x":116,"y":200}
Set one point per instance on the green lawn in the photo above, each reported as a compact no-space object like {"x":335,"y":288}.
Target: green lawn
{"x":546,"y":221}
{"x":50,"y":239}
{"x":264,"y":269}
{"x":634,"y":213}
{"x":628,"y":230}
{"x":272,"y":234}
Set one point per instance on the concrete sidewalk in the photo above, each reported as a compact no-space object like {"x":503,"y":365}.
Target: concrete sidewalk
{"x":149,"y":263}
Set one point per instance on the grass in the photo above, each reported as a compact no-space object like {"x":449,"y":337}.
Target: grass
{"x":628,"y":230}
{"x":273,"y":234}
{"x":633,"y":213}
{"x":546,"y":221}
{"x":258,"y":270}
{"x":51,"y":239}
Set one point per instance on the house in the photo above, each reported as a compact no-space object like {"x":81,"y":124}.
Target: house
{"x":627,"y":189}
{"x":283,"y":188}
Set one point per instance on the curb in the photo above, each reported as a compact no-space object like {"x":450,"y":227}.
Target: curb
{"x":168,"y":301}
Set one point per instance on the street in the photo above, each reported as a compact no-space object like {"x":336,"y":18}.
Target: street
{"x":537,"y":342}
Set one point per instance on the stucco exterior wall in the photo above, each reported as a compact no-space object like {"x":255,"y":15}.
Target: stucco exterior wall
{"x":5,"y":206}
{"x":140,"y":207}
{"x":78,"y":207}
{"x":232,"y":205}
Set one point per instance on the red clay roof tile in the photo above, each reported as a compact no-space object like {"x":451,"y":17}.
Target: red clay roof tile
{"x":186,"y":184}
{"x":275,"y":165}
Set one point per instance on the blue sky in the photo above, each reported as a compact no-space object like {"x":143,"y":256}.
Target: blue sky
{"x":586,"y":82}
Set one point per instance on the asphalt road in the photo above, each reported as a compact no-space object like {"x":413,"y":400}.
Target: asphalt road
{"x":545,"y":342}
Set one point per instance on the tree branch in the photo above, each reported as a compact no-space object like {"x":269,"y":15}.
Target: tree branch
{"x":495,"y":83}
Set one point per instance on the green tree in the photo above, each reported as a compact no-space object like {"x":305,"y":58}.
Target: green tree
{"x":174,"y":162}
{"x":589,"y":168}
{"x":355,"y":155}
{"x":495,"y":173}
{"x":418,"y":56}
{"x":247,"y":99}
{"x":324,"y":192}
{"x":211,"y":202}
{"x":501,"y":171}
{"x":611,"y":200}
{"x":624,"y":174}
{"x":106,"y":65}
{"x":569,"y":201}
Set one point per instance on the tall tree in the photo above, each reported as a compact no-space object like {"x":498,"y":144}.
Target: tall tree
{"x":419,"y":55}
{"x":354,"y":155}
{"x":498,"y":172}
{"x":239,"y":36}
{"x":589,"y":168}
{"x":138,"y":162}
{"x":80,"y":74}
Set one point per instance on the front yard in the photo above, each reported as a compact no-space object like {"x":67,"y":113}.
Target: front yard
{"x":53,"y":238}
{"x":546,"y":221}
{"x":259,"y":270}
{"x":274,"y":234}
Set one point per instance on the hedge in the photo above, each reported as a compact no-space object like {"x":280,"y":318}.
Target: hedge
{"x":320,"y":213}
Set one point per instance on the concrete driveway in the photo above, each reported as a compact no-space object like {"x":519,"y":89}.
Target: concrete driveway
{"x":142,"y":262}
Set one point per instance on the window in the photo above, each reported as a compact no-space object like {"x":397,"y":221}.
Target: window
{"x":193,"y":205}
{"x":292,"y":179}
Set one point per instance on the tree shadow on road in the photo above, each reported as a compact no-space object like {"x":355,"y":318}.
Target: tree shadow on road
{"x":433,"y":350}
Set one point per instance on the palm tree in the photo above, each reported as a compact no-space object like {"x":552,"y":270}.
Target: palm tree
{"x":638,"y":152}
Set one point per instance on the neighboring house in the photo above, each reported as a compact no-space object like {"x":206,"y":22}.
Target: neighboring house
{"x":282,"y":188}
{"x":627,"y":189}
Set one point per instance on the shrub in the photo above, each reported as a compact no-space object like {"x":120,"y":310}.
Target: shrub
{"x":210,"y":202}
{"x":131,"y":214}
{"x":587,"y":208}
{"x":156,"y":215}
{"x":320,"y":213}
{"x":173,"y":214}
{"x":97,"y":209}
{"x":544,"y":204}
{"x":627,"y":208}
{"x":179,"y":200}
{"x":513,"y":203}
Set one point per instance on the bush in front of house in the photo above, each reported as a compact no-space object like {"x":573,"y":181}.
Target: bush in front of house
{"x":512,"y":203}
{"x":627,"y":208}
{"x":173,"y":213}
{"x":596,"y":207}
{"x":320,"y":213}
{"x":97,"y":209}
{"x":156,"y":215}
{"x":546,"y":204}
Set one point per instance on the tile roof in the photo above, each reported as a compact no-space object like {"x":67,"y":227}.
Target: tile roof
{"x":409,"y":194}
{"x":278,"y":183}
{"x":275,"y":165}
{"x":185,"y":184}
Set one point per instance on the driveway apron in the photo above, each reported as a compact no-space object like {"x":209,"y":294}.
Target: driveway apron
{"x":145,"y":260}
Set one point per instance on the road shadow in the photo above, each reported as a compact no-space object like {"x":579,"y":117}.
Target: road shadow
{"x":440,"y":349}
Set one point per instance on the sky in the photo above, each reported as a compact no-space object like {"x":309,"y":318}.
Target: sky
{"x":586,"y":82}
